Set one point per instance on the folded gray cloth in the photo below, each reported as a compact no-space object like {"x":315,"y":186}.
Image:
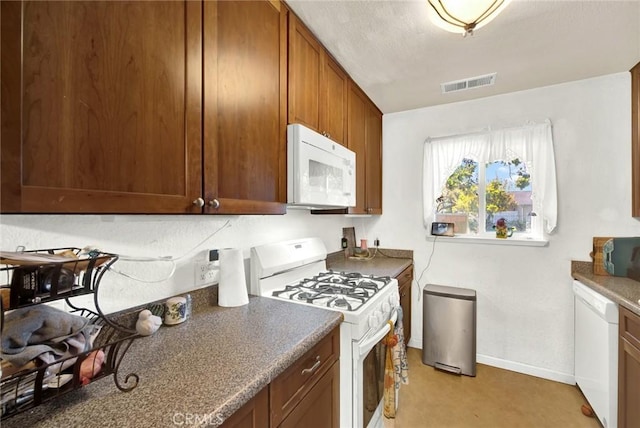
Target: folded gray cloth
{"x":31,"y":331}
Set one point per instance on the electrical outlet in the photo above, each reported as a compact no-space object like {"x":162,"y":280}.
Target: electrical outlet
{"x":206,"y":273}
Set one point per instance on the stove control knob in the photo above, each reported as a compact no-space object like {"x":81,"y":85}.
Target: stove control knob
{"x":375,"y":319}
{"x":386,"y":307}
{"x":394,"y":299}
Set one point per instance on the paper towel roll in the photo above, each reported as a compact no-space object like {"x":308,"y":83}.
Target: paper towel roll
{"x":232,"y":287}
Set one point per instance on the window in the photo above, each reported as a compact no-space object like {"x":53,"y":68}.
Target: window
{"x":477,"y":179}
{"x":476,"y":195}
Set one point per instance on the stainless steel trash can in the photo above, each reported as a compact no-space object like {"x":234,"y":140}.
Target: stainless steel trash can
{"x":449,"y":329}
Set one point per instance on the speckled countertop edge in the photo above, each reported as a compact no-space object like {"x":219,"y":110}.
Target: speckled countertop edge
{"x":386,"y":262}
{"x":207,"y":367}
{"x":624,"y":291}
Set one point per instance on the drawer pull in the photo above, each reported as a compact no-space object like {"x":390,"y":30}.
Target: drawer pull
{"x":313,"y":368}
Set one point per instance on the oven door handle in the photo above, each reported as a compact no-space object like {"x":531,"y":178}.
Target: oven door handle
{"x":367,"y":344}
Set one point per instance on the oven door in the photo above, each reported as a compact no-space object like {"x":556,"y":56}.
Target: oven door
{"x":369,"y":356}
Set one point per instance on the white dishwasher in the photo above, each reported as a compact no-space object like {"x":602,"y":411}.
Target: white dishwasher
{"x":596,"y":352}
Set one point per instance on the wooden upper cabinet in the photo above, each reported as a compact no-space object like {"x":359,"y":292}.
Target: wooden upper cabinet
{"x":365,"y":139}
{"x":357,"y":134}
{"x":317,"y":85}
{"x":635,"y":139}
{"x":305,"y":60}
{"x":373,"y":167}
{"x":245,"y":51}
{"x":103,"y":112}
{"x":333,"y":101}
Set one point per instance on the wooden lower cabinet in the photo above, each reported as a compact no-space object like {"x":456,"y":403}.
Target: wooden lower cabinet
{"x":254,"y":414}
{"x":404,"y":288}
{"x":321,"y":406}
{"x":307,"y":394}
{"x":629,"y":370}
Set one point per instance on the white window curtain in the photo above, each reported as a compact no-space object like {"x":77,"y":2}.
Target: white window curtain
{"x":532,"y":144}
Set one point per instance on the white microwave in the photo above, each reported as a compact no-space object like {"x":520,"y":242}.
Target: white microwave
{"x":320,"y":172}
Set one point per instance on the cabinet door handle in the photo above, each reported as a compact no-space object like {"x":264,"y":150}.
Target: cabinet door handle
{"x":214,"y":203}
{"x":313,"y":368}
{"x":199,"y":202}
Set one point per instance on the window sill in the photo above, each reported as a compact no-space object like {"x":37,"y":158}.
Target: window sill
{"x":462,"y":239}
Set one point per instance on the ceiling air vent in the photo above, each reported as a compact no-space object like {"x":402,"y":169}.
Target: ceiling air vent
{"x":470,"y":83}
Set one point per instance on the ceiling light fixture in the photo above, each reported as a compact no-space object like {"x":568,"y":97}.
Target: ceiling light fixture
{"x":464,"y":16}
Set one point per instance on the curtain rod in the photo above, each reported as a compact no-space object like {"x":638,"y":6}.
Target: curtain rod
{"x":489,"y":129}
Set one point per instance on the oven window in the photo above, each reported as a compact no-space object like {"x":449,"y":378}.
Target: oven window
{"x":373,"y":380}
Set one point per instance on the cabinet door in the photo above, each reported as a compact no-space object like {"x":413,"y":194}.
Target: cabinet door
{"x":629,"y":370}
{"x":296,"y":382}
{"x":245,"y":107}
{"x":405,"y":280}
{"x":373,"y":167}
{"x":254,"y":414}
{"x":356,"y":132}
{"x":305,"y":59}
{"x":321,"y":406}
{"x":333,"y":93}
{"x":635,"y":139}
{"x":102,"y":113}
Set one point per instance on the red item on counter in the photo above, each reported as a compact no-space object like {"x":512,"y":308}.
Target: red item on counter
{"x":91,"y":366}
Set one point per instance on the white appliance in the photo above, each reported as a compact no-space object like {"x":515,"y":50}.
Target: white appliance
{"x":320,"y":172}
{"x":296,"y":271}
{"x":596,"y":352}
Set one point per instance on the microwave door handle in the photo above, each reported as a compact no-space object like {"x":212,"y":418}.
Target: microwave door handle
{"x":367,"y":344}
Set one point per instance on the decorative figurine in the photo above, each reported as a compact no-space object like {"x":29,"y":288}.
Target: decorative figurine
{"x":147,"y":323}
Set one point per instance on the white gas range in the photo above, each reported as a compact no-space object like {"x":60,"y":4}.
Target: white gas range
{"x":296,"y":271}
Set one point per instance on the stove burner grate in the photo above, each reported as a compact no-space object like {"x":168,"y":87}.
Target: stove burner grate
{"x":340,"y":290}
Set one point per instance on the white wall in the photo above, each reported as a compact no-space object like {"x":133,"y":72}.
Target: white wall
{"x":525,"y":303}
{"x":154,"y":236}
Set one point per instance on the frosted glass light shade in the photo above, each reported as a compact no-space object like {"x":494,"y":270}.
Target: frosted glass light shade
{"x":464,"y":16}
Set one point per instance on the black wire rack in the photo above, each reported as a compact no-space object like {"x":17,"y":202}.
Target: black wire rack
{"x":38,"y":276}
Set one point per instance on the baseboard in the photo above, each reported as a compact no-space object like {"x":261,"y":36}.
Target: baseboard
{"x":515,"y":366}
{"x":414,"y":343}
{"x":526,"y":369}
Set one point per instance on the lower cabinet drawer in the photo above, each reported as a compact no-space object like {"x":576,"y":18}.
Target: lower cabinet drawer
{"x":288,"y":389}
{"x":630,"y":326}
{"x":321,"y":406}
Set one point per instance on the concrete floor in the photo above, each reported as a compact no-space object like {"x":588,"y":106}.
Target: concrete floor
{"x":495,"y":398}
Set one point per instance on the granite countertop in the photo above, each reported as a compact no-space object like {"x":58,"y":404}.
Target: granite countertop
{"x":624,"y":291}
{"x":204,"y":369}
{"x":384,"y":263}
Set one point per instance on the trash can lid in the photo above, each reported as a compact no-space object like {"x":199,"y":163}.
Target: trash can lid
{"x":445,"y":291}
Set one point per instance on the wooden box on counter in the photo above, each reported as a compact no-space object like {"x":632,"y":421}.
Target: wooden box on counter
{"x":598,"y":255}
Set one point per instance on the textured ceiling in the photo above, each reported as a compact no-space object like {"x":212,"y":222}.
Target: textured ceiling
{"x":399,"y":58}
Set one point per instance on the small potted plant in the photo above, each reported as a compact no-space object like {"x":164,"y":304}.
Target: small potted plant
{"x":502,"y":230}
